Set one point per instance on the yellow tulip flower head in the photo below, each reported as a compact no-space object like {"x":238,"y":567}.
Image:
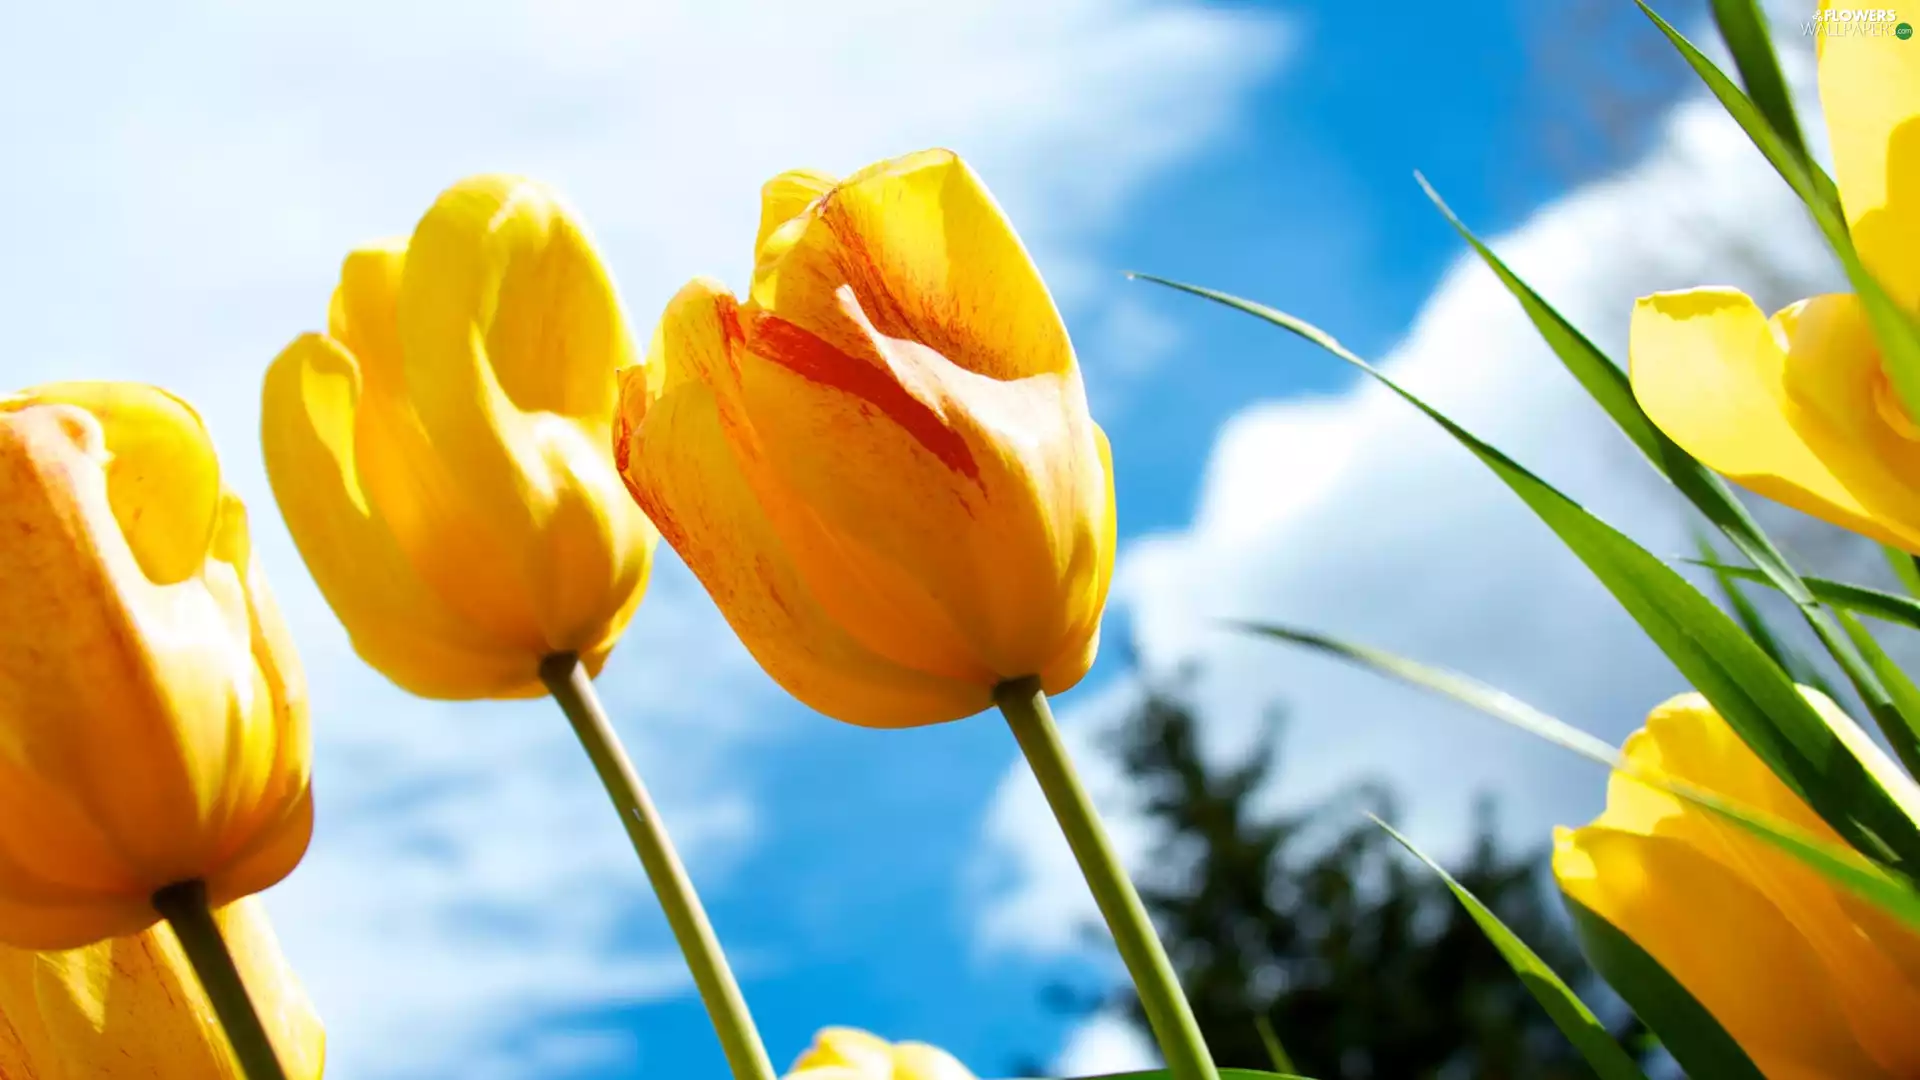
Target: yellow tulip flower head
{"x":1812,"y":982}
{"x":1798,"y":407}
{"x":840,"y":1053}
{"x":131,"y":1008}
{"x":441,"y":455}
{"x":153,"y":717}
{"x":881,"y":464}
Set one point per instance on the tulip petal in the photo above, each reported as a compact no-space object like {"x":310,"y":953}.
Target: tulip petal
{"x":503,"y":290}
{"x":163,"y":478}
{"x":512,"y":334}
{"x":1787,"y":408}
{"x":1686,"y":739}
{"x":686,"y":463}
{"x":364,"y":316}
{"x":398,"y":625}
{"x":950,"y":521}
{"x":1725,"y":942}
{"x":919,"y":1061}
{"x":865,"y":1053}
{"x":132,"y":1009}
{"x":784,"y":197}
{"x":930,"y":257}
{"x":1870,"y":95}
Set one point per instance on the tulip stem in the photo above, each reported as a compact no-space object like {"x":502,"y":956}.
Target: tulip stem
{"x":184,"y":906}
{"x":567,"y":679}
{"x":1025,"y":706}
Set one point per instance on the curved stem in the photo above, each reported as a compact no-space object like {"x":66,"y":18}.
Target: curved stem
{"x":567,"y":679}
{"x":184,"y":906}
{"x":1025,"y":706}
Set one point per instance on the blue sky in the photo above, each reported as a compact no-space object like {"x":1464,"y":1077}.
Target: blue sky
{"x":191,"y":178}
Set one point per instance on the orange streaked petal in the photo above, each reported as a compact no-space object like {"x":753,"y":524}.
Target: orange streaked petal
{"x":952,"y":522}
{"x":929,"y":257}
{"x":683,"y":461}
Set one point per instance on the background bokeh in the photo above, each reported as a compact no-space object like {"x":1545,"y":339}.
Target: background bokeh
{"x":180,"y":183}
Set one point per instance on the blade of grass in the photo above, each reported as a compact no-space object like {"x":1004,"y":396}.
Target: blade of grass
{"x":1886,"y":606}
{"x":1744,"y":29}
{"x":1571,"y":1015}
{"x":1905,"y":567}
{"x":1269,"y":1038}
{"x":1846,"y":869}
{"x":1611,"y":389}
{"x":1747,"y":688}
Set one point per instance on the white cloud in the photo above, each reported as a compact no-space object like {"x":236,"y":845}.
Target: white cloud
{"x":181,"y":184}
{"x":1105,"y":1045}
{"x":1353,"y":514}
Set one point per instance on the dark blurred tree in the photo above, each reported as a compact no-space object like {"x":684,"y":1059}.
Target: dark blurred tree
{"x":1362,"y":961}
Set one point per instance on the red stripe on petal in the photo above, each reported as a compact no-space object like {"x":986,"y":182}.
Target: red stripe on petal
{"x":807,"y":356}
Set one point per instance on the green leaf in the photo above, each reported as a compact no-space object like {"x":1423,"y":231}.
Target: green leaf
{"x":1890,"y":607}
{"x":1611,"y":389}
{"x":1845,"y":868}
{"x":1906,"y":567}
{"x":1686,"y":1029}
{"x":1269,"y":1038}
{"x":1893,"y":327}
{"x":1745,"y":31}
{"x":1225,"y":1074}
{"x":1571,"y":1015}
{"x":1747,"y":688}
{"x":1905,"y":695}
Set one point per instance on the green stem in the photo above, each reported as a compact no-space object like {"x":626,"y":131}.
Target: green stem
{"x":567,"y":679}
{"x":1174,"y":1028}
{"x":184,"y":906}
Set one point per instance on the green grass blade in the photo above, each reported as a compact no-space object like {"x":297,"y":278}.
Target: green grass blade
{"x":1745,"y":613}
{"x":1756,"y":625}
{"x":1686,"y":1029}
{"x":1898,"y":684}
{"x":1269,"y":1038}
{"x":1571,"y":1015}
{"x":1611,"y":389}
{"x":1886,"y":606}
{"x":1893,"y":328}
{"x":1747,"y":688}
{"x":1906,"y":568}
{"x":1745,"y":32}
{"x":1846,"y":869}
{"x":1601,"y":377}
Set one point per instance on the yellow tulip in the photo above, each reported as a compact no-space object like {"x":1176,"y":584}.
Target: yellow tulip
{"x":1813,"y":983}
{"x":131,"y":1008}
{"x":441,"y":456}
{"x":840,"y":1053}
{"x":880,"y":464}
{"x":153,"y":717}
{"x":1798,"y":407}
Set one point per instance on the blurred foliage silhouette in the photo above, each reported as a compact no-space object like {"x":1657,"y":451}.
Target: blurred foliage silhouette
{"x":1362,"y":961}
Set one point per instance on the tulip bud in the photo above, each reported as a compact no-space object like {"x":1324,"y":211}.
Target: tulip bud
{"x":1810,"y":980}
{"x":840,"y":1053}
{"x":441,"y":453}
{"x":131,"y":1008}
{"x":153,"y":720}
{"x":881,"y":464}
